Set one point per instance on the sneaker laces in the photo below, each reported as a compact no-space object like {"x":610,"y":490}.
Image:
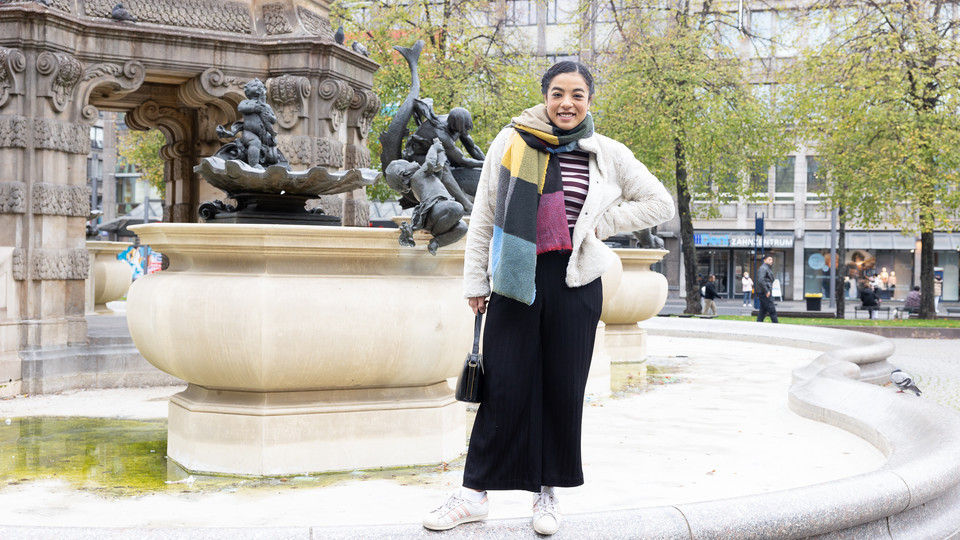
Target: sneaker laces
{"x":546,"y":503}
{"x":453,"y":502}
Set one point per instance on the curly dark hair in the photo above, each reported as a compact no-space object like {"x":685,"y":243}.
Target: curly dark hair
{"x":566,"y":66}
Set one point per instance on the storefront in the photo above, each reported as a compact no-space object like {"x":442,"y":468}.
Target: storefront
{"x":728,"y":254}
{"x":889,"y":260}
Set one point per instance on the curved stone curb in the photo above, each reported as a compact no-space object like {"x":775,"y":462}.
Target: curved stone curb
{"x":915,"y":495}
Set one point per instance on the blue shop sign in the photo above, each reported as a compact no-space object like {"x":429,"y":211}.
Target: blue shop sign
{"x":711,"y":240}
{"x":742,"y":239}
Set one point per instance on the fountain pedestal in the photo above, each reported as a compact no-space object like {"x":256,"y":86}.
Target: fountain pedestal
{"x":109,"y":277}
{"x":307,"y":349}
{"x":640,"y":294}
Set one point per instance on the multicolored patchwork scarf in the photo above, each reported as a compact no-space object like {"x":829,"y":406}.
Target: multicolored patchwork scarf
{"x":530,"y":216}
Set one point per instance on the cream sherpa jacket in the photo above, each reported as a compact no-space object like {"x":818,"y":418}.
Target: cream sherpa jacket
{"x":623,"y":196}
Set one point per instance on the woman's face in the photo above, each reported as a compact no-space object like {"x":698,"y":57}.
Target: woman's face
{"x":567,"y":100}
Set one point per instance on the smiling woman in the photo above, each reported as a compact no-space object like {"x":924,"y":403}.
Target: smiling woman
{"x":551,"y":190}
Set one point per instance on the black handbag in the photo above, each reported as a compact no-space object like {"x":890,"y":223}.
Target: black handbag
{"x":470,"y":382}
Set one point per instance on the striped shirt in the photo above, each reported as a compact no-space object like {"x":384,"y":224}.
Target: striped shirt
{"x":575,"y":170}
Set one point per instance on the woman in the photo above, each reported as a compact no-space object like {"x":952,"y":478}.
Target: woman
{"x":747,"y":284}
{"x":550,"y":190}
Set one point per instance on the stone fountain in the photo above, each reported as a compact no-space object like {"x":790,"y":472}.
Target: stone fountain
{"x":306,"y":349}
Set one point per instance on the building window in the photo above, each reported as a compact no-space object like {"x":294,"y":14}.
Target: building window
{"x":788,"y":34}
{"x":759,"y":181}
{"x":96,"y":137}
{"x":816,"y":183}
{"x":783,"y":183}
{"x":562,"y":11}
{"x":94,"y":167}
{"x":761,"y":28}
{"x":521,"y":13}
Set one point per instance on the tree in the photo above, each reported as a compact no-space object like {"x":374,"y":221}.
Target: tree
{"x":677,"y":93}
{"x":472,"y":59}
{"x":142,"y":149}
{"x":880,"y":100}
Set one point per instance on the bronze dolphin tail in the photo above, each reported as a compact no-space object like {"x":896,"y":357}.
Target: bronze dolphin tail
{"x":391,"y":140}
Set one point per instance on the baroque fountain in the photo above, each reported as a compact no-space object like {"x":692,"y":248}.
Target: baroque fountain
{"x":320,"y":348}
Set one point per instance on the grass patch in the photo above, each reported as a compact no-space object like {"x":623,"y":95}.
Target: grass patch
{"x":908,"y":323}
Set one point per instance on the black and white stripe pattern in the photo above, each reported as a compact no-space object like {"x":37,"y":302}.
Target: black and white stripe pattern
{"x":575,"y":169}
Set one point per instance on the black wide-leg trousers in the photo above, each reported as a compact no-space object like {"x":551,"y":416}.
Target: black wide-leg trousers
{"x":536,"y":360}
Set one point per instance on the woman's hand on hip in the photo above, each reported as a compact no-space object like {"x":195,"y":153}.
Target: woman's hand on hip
{"x":478,"y":304}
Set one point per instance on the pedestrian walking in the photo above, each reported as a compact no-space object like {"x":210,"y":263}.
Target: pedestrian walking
{"x":551,"y":189}
{"x":764,"y":290}
{"x":710,"y":295}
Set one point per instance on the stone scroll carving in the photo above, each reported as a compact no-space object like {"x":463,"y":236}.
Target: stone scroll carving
{"x":210,"y":14}
{"x":12,"y":63}
{"x":13,"y":132}
{"x":171,"y":121}
{"x":275,"y":20}
{"x":51,"y":264}
{"x":52,"y":134}
{"x":215,"y":95}
{"x":335,"y":98}
{"x":315,"y":23}
{"x":114,"y":79}
{"x":57,"y":200}
{"x":13,"y":198}
{"x":60,"y":73}
{"x":288,"y":95}
{"x":363,"y":109}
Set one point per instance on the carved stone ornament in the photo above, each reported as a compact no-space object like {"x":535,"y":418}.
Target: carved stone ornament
{"x":60,"y":74}
{"x":19,"y":264}
{"x":357,"y":156}
{"x":288,"y":95}
{"x":13,"y":197}
{"x":210,"y":14}
{"x":275,"y":20}
{"x":56,"y":135}
{"x":297,"y":149}
{"x":112,"y":80}
{"x":171,"y":121}
{"x":12,"y":63}
{"x":57,"y":200}
{"x":335,"y":99}
{"x":53,"y":264}
{"x":315,"y":23}
{"x":363,"y":109}
{"x":329,"y":152}
{"x":13,"y":132}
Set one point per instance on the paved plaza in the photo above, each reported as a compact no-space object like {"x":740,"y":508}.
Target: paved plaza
{"x":713,"y":424}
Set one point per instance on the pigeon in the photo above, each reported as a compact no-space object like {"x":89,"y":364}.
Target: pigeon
{"x":120,"y":13}
{"x":339,"y":36}
{"x":360,"y":49}
{"x":903,"y":382}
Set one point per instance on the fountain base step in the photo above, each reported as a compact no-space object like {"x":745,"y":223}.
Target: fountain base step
{"x":288,"y":433}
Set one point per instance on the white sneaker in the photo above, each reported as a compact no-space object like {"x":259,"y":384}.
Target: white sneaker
{"x":455,"y":511}
{"x":546,"y":515}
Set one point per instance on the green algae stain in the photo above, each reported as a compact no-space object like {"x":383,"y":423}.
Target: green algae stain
{"x":124,"y":458}
{"x":88,"y":453}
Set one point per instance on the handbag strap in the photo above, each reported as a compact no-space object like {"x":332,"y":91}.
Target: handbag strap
{"x":476,"y":333}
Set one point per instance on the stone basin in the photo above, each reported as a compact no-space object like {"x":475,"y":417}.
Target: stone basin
{"x":307,"y":349}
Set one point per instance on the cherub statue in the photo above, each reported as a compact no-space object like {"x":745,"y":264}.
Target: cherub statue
{"x":437,"y":212}
{"x":257,"y":141}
